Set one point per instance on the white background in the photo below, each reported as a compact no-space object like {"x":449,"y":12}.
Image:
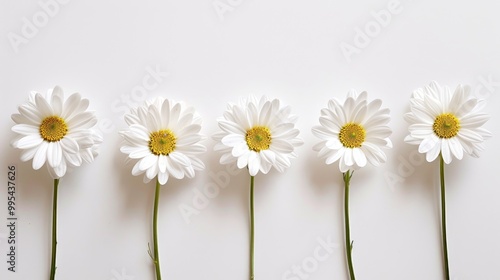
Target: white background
{"x":285,"y":49}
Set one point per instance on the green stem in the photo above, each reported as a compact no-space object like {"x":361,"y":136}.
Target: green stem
{"x":156,"y":258}
{"x":443,"y":219}
{"x":54,"y":231}
{"x":348,"y":244}
{"x":252,"y":230}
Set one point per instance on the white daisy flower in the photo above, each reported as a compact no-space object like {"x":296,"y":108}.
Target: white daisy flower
{"x":353,"y":132}
{"x":56,"y":131}
{"x":163,"y":135}
{"x":446,"y":123}
{"x":258,"y":134}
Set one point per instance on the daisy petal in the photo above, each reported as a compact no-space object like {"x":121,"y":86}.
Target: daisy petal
{"x":243,"y":160}
{"x":332,"y":126}
{"x":83,"y":120}
{"x":73,"y":159}
{"x":470,"y":135}
{"x":54,"y":154}
{"x":56,"y":101}
{"x":147,"y":162}
{"x":348,"y":157}
{"x":281,"y":146}
{"x":136,"y":170}
{"x":359,"y":157}
{"x":433,"y":153}
{"x":152,"y":171}
{"x":180,"y":159}
{"x":231,"y":127}
{"x":473,"y":120}
{"x":31,"y":114}
{"x":429,"y":143}
{"x":265,"y":113}
{"x":233,"y":140}
{"x":162,"y":163}
{"x":240,"y":150}
{"x":69,"y":145}
{"x":28,"y":142}
{"x":162,"y":178}
{"x":456,"y":148}
{"x":268,"y":156}
{"x":466,"y":107}
{"x":71,"y":105}
{"x":25,"y":129}
{"x":60,"y":170}
{"x":333,"y":144}
{"x":188,"y":140}
{"x":174,"y":169}
{"x":445,"y":151}
{"x":40,"y":156}
{"x":335,"y":156}
{"x":136,"y":152}
{"x":190,"y":129}
{"x":43,"y":106}
{"x":253,"y":163}
{"x":28,"y":154}
{"x":343,"y":167}
{"x":175,"y":113}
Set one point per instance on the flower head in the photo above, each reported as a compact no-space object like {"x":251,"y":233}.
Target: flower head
{"x":57,"y":131}
{"x":163,"y":135}
{"x":353,"y":132}
{"x":258,"y":134}
{"x":446,"y":123}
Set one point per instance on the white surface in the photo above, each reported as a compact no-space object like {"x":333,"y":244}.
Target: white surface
{"x":286,"y":49}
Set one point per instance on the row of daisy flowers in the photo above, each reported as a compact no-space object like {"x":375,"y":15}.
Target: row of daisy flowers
{"x":258,"y":134}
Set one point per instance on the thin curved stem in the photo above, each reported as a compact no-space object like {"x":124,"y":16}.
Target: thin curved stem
{"x":348,"y":243}
{"x":443,"y":219}
{"x":54,"y":231}
{"x":156,"y":258}
{"x":252,"y":230}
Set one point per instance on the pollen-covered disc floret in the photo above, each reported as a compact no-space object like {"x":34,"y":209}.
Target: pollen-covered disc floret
{"x":445,"y":122}
{"x":446,"y":126}
{"x":353,"y":132}
{"x":163,"y":135}
{"x":352,"y":135}
{"x":258,"y":138}
{"x":57,"y":131}
{"x":257,"y":133}
{"x":53,"y":129}
{"x":162,"y":142}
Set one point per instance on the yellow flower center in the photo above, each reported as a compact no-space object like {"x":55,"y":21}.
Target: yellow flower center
{"x":446,"y":126}
{"x":258,"y":138}
{"x":53,"y":129}
{"x":352,"y":135}
{"x":162,"y":142}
